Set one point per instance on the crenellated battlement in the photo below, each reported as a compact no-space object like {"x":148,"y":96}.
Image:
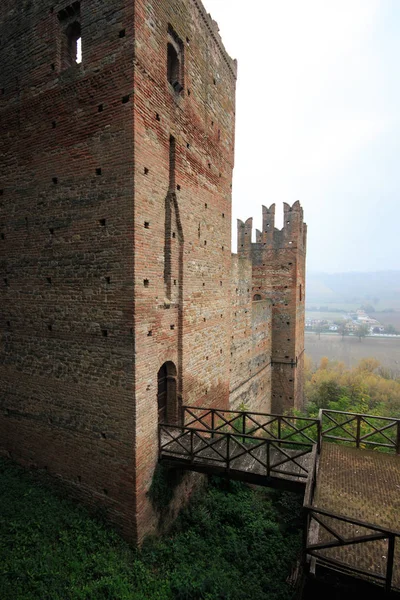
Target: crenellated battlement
{"x":293,"y":233}
{"x":244,"y":231}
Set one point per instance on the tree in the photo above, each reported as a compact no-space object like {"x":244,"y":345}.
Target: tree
{"x":368,"y":364}
{"x":318,"y":329}
{"x":342,"y":330}
{"x":390,"y":329}
{"x":328,"y":391}
{"x":362,"y":331}
{"x":367,"y":388}
{"x":368,"y":308}
{"x":324,"y":363}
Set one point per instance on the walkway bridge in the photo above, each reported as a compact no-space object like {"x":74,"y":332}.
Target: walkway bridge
{"x":347,"y":466}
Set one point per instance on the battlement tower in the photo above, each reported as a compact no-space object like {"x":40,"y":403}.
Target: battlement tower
{"x":278,"y":266}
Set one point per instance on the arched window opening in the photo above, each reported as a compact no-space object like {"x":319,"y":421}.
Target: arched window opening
{"x":167,"y":400}
{"x":69,"y":39}
{"x":175,"y":60}
{"x":256,"y":297}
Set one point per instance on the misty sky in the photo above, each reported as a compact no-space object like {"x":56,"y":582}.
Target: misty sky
{"x":317,"y":120}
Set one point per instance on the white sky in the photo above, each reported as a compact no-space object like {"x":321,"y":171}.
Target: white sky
{"x":317,"y":120}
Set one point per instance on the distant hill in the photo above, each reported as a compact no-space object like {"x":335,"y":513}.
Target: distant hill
{"x":380,"y":288}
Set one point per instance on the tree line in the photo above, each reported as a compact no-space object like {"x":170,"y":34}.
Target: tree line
{"x":367,"y":388}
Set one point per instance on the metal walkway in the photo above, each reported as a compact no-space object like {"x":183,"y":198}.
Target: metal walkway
{"x":347,"y":465}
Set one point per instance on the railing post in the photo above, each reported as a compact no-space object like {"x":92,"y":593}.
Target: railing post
{"x":389,"y":564}
{"x":159,"y":442}
{"x":183,"y":416}
{"x":191,"y":446}
{"x":228,"y":457}
{"x":244,"y":427}
{"x":319,"y":435}
{"x":268,"y":457}
{"x":398,"y":438}
{"x":212,"y":422}
{"x":358,"y":434}
{"x":279,"y":428}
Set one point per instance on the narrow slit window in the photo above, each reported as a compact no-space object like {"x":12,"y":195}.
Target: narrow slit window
{"x":173,"y":65}
{"x":74,"y":44}
{"x":70,"y":35}
{"x":175,"y":61}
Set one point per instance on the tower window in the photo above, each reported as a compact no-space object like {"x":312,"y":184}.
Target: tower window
{"x":70,"y":40}
{"x":74,"y":44}
{"x":175,"y":61}
{"x":173,"y":65}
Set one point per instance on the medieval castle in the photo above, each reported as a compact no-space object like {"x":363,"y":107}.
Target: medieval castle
{"x":120,"y":298}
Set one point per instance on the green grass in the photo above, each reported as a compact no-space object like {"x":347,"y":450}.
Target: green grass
{"x":234,"y":544}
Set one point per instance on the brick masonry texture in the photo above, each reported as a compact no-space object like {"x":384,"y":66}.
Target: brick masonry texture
{"x":115,"y":221}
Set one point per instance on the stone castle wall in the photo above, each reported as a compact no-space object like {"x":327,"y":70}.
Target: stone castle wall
{"x":67,"y":352}
{"x":115,"y":222}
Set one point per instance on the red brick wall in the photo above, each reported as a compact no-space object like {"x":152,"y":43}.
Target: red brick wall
{"x":67,"y":345}
{"x":278,"y":258}
{"x":250,"y":376}
{"x":113,"y":262}
{"x":191,"y":325}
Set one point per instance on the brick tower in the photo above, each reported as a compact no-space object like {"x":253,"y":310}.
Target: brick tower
{"x":115,"y":222}
{"x":278,"y":258}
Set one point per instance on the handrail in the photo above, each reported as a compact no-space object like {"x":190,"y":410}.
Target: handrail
{"x":239,"y":435}
{"x":249,"y":412}
{"x":345,"y":412}
{"x":360,"y":429}
{"x":337,"y":540}
{"x":279,"y":427}
{"x":236,"y":446}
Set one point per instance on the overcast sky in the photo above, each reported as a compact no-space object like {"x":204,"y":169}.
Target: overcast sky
{"x":317,"y":120}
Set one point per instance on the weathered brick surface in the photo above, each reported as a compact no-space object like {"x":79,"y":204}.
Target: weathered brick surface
{"x":201,"y":119}
{"x":67,"y":353}
{"x":278,"y":259}
{"x":115,"y":215}
{"x":250,"y":376}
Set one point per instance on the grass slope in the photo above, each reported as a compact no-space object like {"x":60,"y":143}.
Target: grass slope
{"x":232,"y":545}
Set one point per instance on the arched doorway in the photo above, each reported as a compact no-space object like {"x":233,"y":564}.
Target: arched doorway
{"x":167,"y":399}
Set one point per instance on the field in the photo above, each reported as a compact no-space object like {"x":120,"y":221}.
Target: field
{"x":350,"y":350}
{"x":328,"y":316}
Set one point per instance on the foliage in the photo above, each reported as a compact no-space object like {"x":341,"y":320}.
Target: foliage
{"x":231,"y":544}
{"x":367,"y":388}
{"x":362,"y":331}
{"x":343,"y":328}
{"x":391,"y":329}
{"x":163,"y":485}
